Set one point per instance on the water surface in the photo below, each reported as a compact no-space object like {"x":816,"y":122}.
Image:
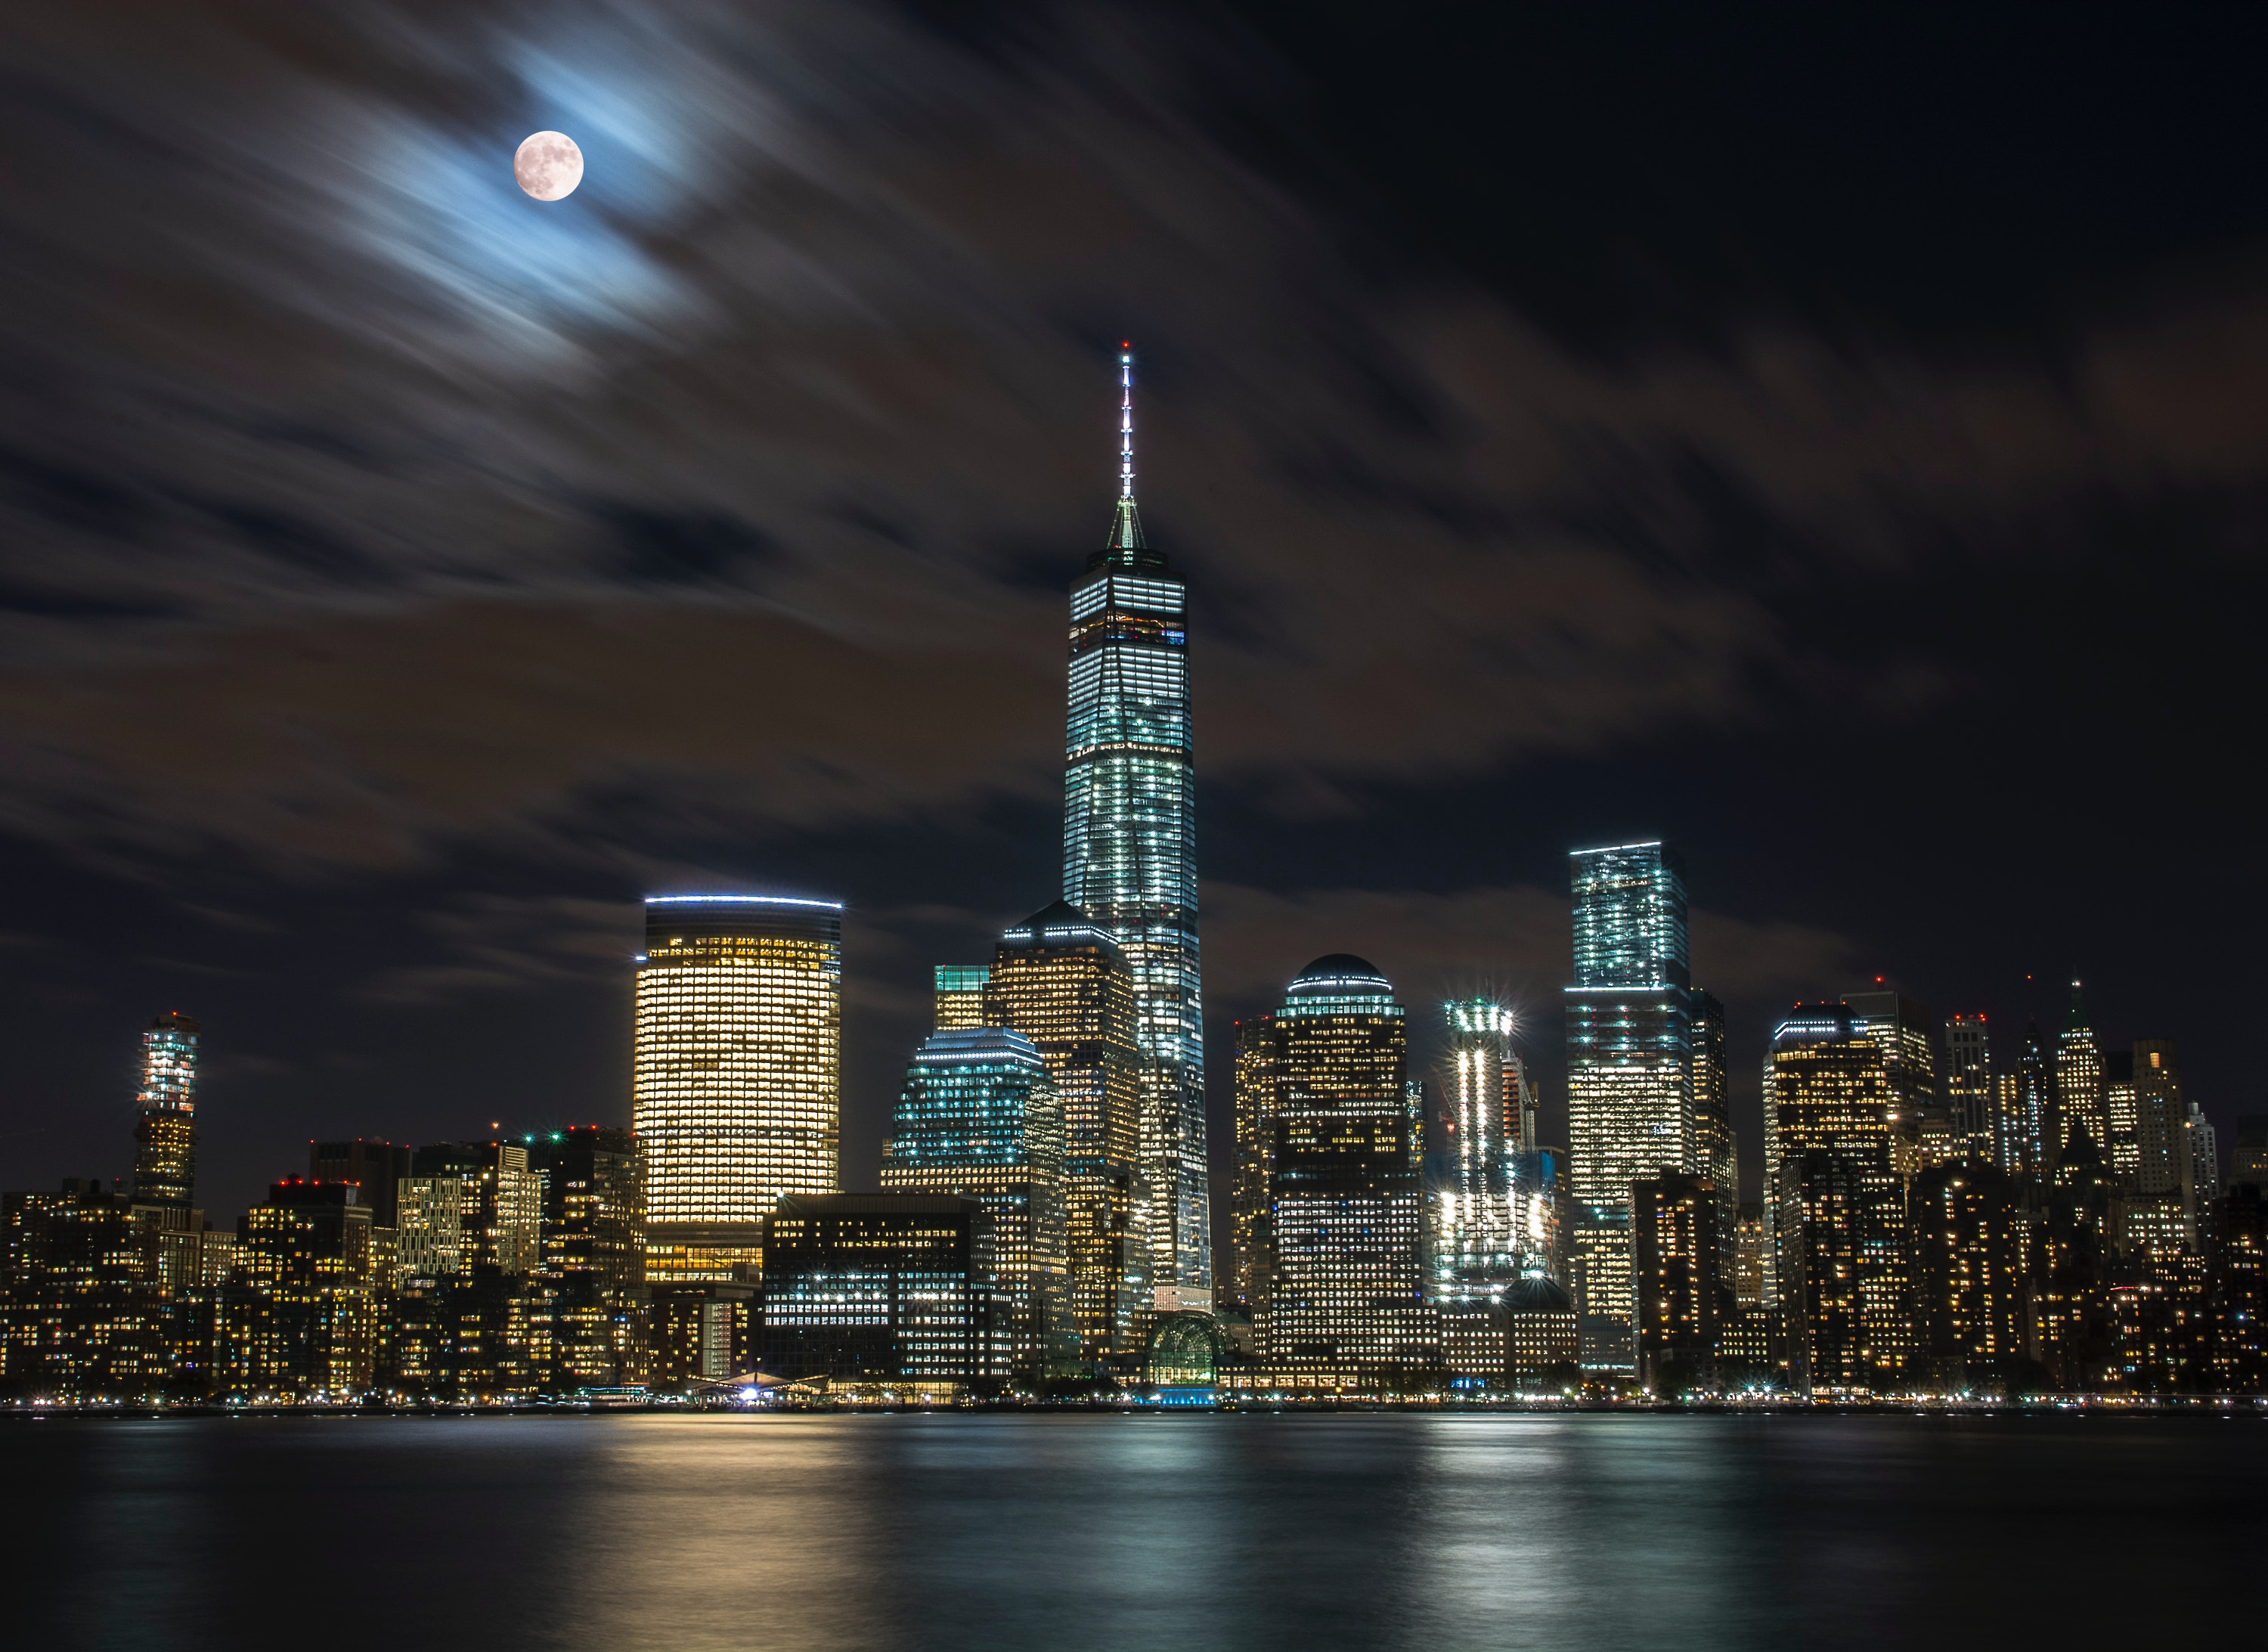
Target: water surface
{"x":1031,"y":1530}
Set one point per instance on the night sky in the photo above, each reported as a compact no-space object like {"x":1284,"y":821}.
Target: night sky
{"x":1838,"y":446}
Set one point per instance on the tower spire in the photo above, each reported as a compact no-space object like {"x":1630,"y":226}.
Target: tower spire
{"x":1126,"y":523}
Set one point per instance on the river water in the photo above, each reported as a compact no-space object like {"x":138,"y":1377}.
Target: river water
{"x":804,"y":1533}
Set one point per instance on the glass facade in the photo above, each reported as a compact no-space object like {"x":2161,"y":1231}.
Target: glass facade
{"x":978,"y":1118}
{"x":885,"y":1290}
{"x":736,"y":1086}
{"x":1837,"y":1205}
{"x":960,"y":995}
{"x":1060,"y":981}
{"x":1716,"y":1151}
{"x":1345,"y":1303}
{"x":1130,"y":853}
{"x":166,"y":1122}
{"x":1474,"y":1226}
{"x":1629,"y":1068}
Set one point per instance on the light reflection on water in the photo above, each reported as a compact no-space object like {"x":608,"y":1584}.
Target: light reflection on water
{"x":1012,"y":1531}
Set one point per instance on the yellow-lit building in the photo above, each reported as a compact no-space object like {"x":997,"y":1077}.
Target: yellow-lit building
{"x":1060,"y":981}
{"x":1837,"y":1203}
{"x":736,"y":1089}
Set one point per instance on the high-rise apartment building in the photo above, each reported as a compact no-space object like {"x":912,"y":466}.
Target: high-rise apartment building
{"x":1970,"y":1270}
{"x":1474,"y":1223}
{"x":978,"y":1118}
{"x":1716,"y":1151}
{"x":592,"y":1202}
{"x":1344,"y":1303}
{"x":498,"y":1201}
{"x":1130,"y":854}
{"x":1059,"y":980}
{"x":1839,"y":1215}
{"x":299,"y":1322}
{"x":1968,"y":1085}
{"x":2078,"y":1080}
{"x":166,"y":1114}
{"x":81,"y":1318}
{"x":737,"y":1087}
{"x":1630,"y":1069}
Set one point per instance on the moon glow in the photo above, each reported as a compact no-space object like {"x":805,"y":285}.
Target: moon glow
{"x":549,"y":165}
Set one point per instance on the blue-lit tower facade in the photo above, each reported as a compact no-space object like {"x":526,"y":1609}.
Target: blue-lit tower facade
{"x":166,"y":1115}
{"x":1130,"y":857}
{"x":1630,"y":1070}
{"x":979,"y":1117}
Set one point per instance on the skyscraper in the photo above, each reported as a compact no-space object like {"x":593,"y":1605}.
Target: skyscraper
{"x":1674,"y":1251}
{"x":2079,"y":1081}
{"x":2029,"y":1116}
{"x":1629,"y":1068}
{"x":2159,"y":1109}
{"x":1838,"y":1216}
{"x":1968,"y":1085}
{"x":1475,"y":1226}
{"x":1130,"y":853}
{"x":1344,"y":1302}
{"x":166,"y":1121}
{"x":1257,"y":1096}
{"x":1901,"y":1028}
{"x":1716,"y":1151}
{"x":1969,"y":1274}
{"x":736,"y":1088}
{"x":978,"y":1118}
{"x":1060,"y":981}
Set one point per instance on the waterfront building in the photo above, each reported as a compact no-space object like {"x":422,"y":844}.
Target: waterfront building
{"x":885,"y":1290}
{"x":1629,"y":1068}
{"x":959,"y":996}
{"x":1716,"y":1151}
{"x":978,"y":1118}
{"x":166,"y":1114}
{"x":375,"y":1167}
{"x":2240,"y":1283}
{"x":1257,"y":1095}
{"x":1838,"y":1220}
{"x":1675,"y":1253}
{"x":2079,"y":1078}
{"x":594,"y":1211}
{"x":1544,"y":1348}
{"x":1969,"y":1275}
{"x":429,"y":1235}
{"x":1539,"y":1181}
{"x":1129,"y":855}
{"x":1474,"y":1228}
{"x":1060,"y":981}
{"x":81,"y":1318}
{"x":737,"y":1091}
{"x":1969,"y":1086}
{"x":704,"y":1333}
{"x":1344,"y":1306}
{"x":297,"y":1322}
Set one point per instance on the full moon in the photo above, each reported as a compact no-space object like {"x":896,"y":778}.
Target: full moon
{"x":549,"y":165}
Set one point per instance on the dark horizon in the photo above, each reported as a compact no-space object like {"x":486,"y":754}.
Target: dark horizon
{"x":1832,"y":446}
